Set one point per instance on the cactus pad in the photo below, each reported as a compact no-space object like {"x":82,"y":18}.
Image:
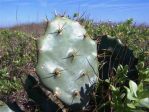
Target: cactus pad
{"x":67,"y":63}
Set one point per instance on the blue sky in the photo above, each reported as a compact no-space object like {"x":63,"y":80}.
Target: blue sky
{"x":24,"y":11}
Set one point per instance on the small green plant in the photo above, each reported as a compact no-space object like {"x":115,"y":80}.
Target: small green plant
{"x":8,"y":84}
{"x":137,"y":95}
{"x":17,"y":52}
{"x":132,"y":98}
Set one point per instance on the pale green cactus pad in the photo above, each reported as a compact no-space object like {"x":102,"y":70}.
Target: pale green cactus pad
{"x":4,"y":107}
{"x":67,"y":63}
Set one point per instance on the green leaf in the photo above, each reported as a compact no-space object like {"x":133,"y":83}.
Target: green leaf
{"x":133,"y":88}
{"x":130,"y":105}
{"x":113,"y":88}
{"x":140,"y":88}
{"x":146,"y":80}
{"x":144,"y":102}
{"x":129,"y":94}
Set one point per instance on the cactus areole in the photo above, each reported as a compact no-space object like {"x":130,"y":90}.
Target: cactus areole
{"x":67,"y":63}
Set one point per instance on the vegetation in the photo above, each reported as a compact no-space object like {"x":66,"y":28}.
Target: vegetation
{"x":18,"y":58}
{"x":137,"y":39}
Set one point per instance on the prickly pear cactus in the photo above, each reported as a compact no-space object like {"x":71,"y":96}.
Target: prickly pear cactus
{"x":4,"y":107}
{"x":113,"y":52}
{"x":67,"y":62}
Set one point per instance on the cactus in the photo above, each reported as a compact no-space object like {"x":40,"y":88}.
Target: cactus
{"x":113,"y":52}
{"x":4,"y":107}
{"x":67,"y":62}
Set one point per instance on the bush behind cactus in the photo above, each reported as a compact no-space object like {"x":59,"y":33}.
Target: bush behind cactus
{"x":17,"y":53}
